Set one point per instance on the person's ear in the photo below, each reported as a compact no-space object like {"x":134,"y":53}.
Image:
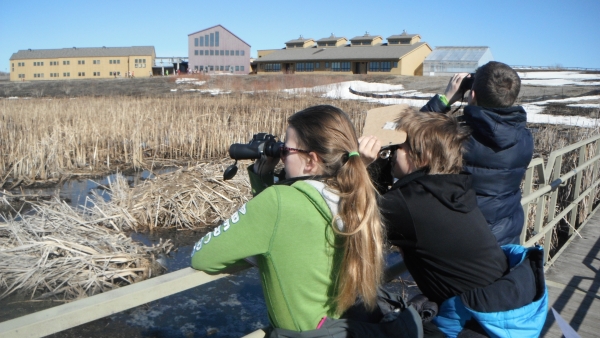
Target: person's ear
{"x":472,"y":100}
{"x":312,"y":163}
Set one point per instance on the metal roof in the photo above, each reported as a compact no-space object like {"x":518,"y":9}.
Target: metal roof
{"x":457,"y":53}
{"x":340,"y":53}
{"x":402,"y":36}
{"x":332,"y":38}
{"x":81,"y":52}
{"x":300,"y":40}
{"x":365,"y":37}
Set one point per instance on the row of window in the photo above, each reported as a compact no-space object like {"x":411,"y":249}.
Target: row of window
{"x":67,"y":74}
{"x":384,"y":66}
{"x":208,"y":40}
{"x":226,"y":52}
{"x":381,"y":66}
{"x":82,"y":62}
{"x":140,"y":65}
{"x":220,"y":68}
{"x":272,"y":67}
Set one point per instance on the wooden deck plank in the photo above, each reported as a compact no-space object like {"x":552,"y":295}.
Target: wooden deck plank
{"x":582,"y":312}
{"x":574,"y":284}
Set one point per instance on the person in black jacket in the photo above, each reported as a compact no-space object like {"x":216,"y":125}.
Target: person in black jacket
{"x":500,"y":147}
{"x":431,"y":214}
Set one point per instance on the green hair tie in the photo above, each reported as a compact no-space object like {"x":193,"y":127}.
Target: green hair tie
{"x":354,"y":153}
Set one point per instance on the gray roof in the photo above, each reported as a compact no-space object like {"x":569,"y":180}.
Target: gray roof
{"x":331,"y":39}
{"x":81,"y":52}
{"x":402,"y":36}
{"x":457,"y":54}
{"x":379,"y":52}
{"x":365,"y":37}
{"x":300,"y":40}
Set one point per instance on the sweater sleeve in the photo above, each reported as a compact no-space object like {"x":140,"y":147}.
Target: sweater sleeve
{"x":435,"y":105}
{"x":247,"y":232}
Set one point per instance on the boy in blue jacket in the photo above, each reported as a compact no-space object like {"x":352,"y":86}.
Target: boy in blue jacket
{"x":500,"y":148}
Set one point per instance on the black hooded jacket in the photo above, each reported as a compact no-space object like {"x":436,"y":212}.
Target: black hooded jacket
{"x":447,"y":245}
{"x":497,"y":155}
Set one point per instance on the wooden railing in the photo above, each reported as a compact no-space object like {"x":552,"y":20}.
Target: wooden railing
{"x":546,"y":178}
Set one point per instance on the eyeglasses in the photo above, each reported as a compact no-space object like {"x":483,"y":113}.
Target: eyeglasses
{"x":285,"y":151}
{"x":388,"y":152}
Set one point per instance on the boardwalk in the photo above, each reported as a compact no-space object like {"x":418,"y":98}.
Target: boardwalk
{"x":574,"y":284}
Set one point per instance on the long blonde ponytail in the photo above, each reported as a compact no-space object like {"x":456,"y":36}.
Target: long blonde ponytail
{"x":328,"y":132}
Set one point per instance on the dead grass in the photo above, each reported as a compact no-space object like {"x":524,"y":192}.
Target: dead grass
{"x":49,"y":139}
{"x":63,"y":253}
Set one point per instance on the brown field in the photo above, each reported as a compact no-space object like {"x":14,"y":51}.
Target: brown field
{"x":84,"y":127}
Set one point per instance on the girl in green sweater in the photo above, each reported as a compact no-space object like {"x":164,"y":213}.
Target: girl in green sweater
{"x":319,"y":241}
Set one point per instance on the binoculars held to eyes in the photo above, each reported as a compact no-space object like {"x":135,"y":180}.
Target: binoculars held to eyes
{"x":261,"y":144}
{"x":467,"y":83}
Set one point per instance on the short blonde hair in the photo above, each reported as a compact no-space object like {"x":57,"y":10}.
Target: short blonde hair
{"x":435,"y":140}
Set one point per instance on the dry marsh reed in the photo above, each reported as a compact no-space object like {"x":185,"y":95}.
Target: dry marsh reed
{"x":63,"y":253}
{"x":549,"y":138}
{"x":45,"y":139}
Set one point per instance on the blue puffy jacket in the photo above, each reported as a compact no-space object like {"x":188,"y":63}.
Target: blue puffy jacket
{"x":515,"y":305}
{"x":497,"y":155}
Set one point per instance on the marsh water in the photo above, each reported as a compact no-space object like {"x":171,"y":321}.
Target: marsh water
{"x":228,"y":307}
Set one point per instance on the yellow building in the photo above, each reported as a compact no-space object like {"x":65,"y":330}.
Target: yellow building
{"x":81,"y":63}
{"x":403,"y":54}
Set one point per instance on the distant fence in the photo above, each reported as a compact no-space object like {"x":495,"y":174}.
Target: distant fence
{"x":555,"y":68}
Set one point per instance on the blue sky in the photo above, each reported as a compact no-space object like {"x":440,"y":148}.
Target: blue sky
{"x":519,"y":32}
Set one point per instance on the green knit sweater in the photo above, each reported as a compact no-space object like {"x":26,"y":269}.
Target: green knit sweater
{"x":288,"y":229}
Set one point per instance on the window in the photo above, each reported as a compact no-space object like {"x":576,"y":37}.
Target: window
{"x":227,"y":52}
{"x":53,"y":63}
{"x":217,"y":39}
{"x":242,"y":53}
{"x":212,"y":52}
{"x":212,"y":40}
{"x":96,"y":73}
{"x":81,"y":74}
{"x":53,"y":74}
{"x":340,"y":66}
{"x":206,"y":42}
{"x":38,"y":63}
{"x":272,"y":67}
{"x":21,"y":76}
{"x":66,"y":74}
{"x":201,"y":41}
{"x":226,"y":68}
{"x":206,"y":52}
{"x":380,"y":66}
{"x":38,"y":75}
{"x":81,"y":62}
{"x":237,"y":53}
{"x":67,"y":62}
{"x":237,"y":68}
{"x":196,"y":52}
{"x":316,"y":65}
{"x":221,"y":68}
{"x":96,"y":62}
{"x":222,"y":52}
{"x":211,"y":68}
{"x":242,"y":68}
{"x":196,"y":42}
{"x":304,"y":67}
{"x":21,"y":64}
{"x":326,"y":64}
{"x":395,"y":64}
{"x":110,"y":62}
{"x":231,"y":52}
{"x":201,"y":52}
